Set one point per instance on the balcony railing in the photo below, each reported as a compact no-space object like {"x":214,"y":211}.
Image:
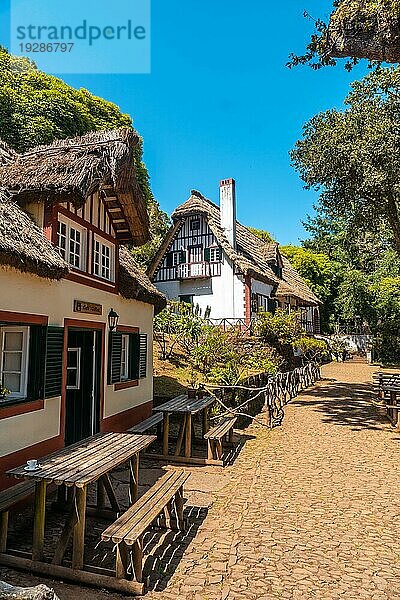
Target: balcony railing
{"x":197,"y":270}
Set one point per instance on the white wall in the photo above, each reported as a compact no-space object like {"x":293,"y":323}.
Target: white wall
{"x":34,"y":295}
{"x":224,"y":293}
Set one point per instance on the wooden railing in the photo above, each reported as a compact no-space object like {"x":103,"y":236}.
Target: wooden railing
{"x":268,"y":393}
{"x":194,"y":270}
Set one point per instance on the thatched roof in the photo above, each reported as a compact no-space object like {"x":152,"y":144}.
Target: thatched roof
{"x":135,"y":284}
{"x":24,"y":246}
{"x":365,"y":29}
{"x":72,"y":169}
{"x":7,"y":154}
{"x":252,"y":255}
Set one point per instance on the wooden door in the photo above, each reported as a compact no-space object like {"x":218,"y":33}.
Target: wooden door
{"x":82,"y":417}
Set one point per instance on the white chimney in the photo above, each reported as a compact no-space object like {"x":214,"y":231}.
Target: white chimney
{"x":227,"y":203}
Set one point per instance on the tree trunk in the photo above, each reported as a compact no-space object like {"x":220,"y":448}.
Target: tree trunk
{"x":40,"y":592}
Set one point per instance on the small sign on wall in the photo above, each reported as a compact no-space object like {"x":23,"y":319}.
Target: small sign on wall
{"x":88,"y":308}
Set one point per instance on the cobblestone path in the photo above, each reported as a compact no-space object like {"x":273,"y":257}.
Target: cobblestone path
{"x":310,"y":510}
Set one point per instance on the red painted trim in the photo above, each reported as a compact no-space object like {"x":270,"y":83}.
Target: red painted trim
{"x":86,"y":224}
{"x":124,"y":385}
{"x":15,"y":459}
{"x":81,"y":324}
{"x":247,"y":299}
{"x":20,"y":408}
{"x":25,"y":318}
{"x":91,"y":282}
{"x":127,"y":419}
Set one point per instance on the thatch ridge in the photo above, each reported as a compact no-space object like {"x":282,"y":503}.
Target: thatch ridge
{"x":72,"y":169}
{"x":252,"y":255}
{"x":134,"y":284}
{"x":23,"y":245}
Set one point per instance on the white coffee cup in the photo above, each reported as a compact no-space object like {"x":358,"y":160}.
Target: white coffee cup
{"x":32,"y":464}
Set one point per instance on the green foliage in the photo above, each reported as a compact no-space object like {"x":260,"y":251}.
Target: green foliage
{"x":279,"y":329}
{"x":351,"y":157}
{"x":357,"y":24}
{"x":36,"y":108}
{"x":178,"y":324}
{"x":320,"y":272}
{"x":313,"y":349}
{"x":387,"y":328}
{"x":262,"y":234}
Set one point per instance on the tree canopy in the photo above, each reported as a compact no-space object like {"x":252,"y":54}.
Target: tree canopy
{"x":352,"y":157}
{"x":36,"y":108}
{"x":262,"y":234}
{"x":356,"y":29}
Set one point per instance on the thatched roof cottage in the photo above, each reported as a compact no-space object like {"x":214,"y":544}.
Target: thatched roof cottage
{"x":212,"y":260}
{"x":76,"y":311}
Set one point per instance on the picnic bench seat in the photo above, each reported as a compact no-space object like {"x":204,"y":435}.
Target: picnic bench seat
{"x":128,"y":530}
{"x":9,"y":498}
{"x":216,"y":436}
{"x":388,"y":385}
{"x":153,"y":421}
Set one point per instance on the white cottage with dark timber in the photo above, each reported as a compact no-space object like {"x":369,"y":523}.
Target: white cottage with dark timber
{"x":210,"y":259}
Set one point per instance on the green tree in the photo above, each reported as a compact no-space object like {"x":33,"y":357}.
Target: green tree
{"x":322,"y":275}
{"x":36,"y":108}
{"x":351,"y":157}
{"x":356,"y":29}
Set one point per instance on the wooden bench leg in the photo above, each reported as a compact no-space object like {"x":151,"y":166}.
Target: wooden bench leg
{"x":78,"y":548}
{"x":168,"y":515}
{"x":39,"y":521}
{"x":205,"y":421}
{"x":210,"y":452}
{"x":134,"y":478}
{"x":101,"y":498}
{"x":179,"y":509}
{"x":3,"y":531}
{"x":218,"y":447}
{"x":231,"y":436}
{"x":188,"y":436}
{"x":165,"y":433}
{"x":122,"y":561}
{"x":137,"y":552}
{"x":180,"y":436}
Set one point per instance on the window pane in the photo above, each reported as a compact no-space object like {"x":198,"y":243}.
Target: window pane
{"x":13,"y":340}
{"x":12,"y":361}
{"x":12,"y":382}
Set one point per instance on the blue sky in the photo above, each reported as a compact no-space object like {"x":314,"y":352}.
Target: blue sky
{"x":220,"y":102}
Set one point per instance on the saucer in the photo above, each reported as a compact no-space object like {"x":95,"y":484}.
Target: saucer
{"x":37,"y":468}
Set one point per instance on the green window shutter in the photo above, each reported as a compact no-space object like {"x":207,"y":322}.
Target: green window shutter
{"x":169,"y":260}
{"x":182,"y":257}
{"x":114,"y":357}
{"x":134,"y":356}
{"x":207,"y":254}
{"x":143,"y":356}
{"x":54,"y":362}
{"x":36,"y":362}
{"x":219,"y":254}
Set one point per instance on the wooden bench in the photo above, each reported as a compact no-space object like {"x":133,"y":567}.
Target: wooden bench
{"x":128,"y":530}
{"x":148,"y":424}
{"x":216,"y":436}
{"x":9,"y":498}
{"x":388,"y":390}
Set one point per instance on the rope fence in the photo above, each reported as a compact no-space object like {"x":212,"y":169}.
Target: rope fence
{"x":264,"y":393}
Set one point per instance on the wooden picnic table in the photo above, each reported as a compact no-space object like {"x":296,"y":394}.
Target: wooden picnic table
{"x":75,"y":467}
{"x":185,"y":407}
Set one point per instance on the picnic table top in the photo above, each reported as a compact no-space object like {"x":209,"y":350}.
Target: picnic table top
{"x":87,"y":460}
{"x":183,"y":404}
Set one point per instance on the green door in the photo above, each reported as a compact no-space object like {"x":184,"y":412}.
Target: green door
{"x":82,"y":417}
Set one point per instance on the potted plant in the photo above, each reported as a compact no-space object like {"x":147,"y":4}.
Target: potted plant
{"x":4,"y":393}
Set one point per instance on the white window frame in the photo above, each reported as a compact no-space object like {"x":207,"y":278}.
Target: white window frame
{"x":66,"y":252}
{"x":24,"y":359}
{"x":213,"y":254}
{"x":96,"y":265}
{"x":125,"y":357}
{"x":78,"y":352}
